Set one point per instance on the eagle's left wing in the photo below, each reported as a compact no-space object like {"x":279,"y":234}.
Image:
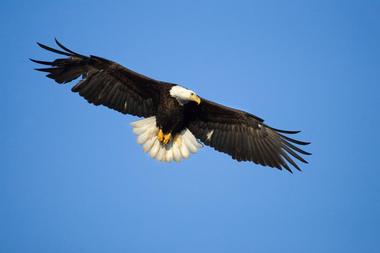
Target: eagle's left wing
{"x":105,"y":82}
{"x":243,"y":136}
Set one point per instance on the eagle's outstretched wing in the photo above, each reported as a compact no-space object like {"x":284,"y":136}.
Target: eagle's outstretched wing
{"x":243,"y":136}
{"x":105,"y":82}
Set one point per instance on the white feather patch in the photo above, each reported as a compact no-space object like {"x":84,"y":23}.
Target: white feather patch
{"x":177,"y":149}
{"x":209,"y":134}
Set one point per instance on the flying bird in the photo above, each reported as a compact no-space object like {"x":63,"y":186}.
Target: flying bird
{"x":176,"y":120}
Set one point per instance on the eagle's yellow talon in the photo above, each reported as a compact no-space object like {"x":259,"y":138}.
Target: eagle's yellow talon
{"x":163,"y":138}
{"x":167,"y":138}
{"x":160,"y":136}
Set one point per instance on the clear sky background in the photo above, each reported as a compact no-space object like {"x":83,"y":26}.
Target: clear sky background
{"x":73,"y":179}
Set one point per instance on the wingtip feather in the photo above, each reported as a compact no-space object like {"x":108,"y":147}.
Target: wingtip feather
{"x":65,"y":48}
{"x":285,"y":131}
{"x":52,"y":49}
{"x":43,"y":69}
{"x":42,"y":62}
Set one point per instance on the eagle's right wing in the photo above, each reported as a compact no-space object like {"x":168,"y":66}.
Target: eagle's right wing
{"x":243,"y":136}
{"x":105,"y":82}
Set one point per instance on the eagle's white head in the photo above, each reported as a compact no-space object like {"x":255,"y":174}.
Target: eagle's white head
{"x":184,"y":95}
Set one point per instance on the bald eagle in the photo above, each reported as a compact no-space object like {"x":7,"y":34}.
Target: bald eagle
{"x":176,"y":120}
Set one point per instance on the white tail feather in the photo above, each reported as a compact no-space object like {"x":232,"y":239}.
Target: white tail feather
{"x":177,"y":149}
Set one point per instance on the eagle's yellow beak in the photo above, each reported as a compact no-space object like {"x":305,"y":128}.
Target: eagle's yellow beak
{"x":195,"y":98}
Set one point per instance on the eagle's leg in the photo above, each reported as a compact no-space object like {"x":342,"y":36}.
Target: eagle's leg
{"x":167,"y":138}
{"x":160,"y":136}
{"x":164,"y":138}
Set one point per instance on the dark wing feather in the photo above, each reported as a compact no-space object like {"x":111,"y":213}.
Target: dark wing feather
{"x":105,"y":82}
{"x":243,"y":136}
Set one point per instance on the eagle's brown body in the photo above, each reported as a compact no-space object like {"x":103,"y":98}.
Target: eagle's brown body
{"x":170,"y":117}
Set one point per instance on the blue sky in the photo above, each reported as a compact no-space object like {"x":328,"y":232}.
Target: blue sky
{"x":73,"y":179}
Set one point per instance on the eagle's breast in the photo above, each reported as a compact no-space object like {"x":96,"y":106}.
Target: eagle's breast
{"x":170,"y":114}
